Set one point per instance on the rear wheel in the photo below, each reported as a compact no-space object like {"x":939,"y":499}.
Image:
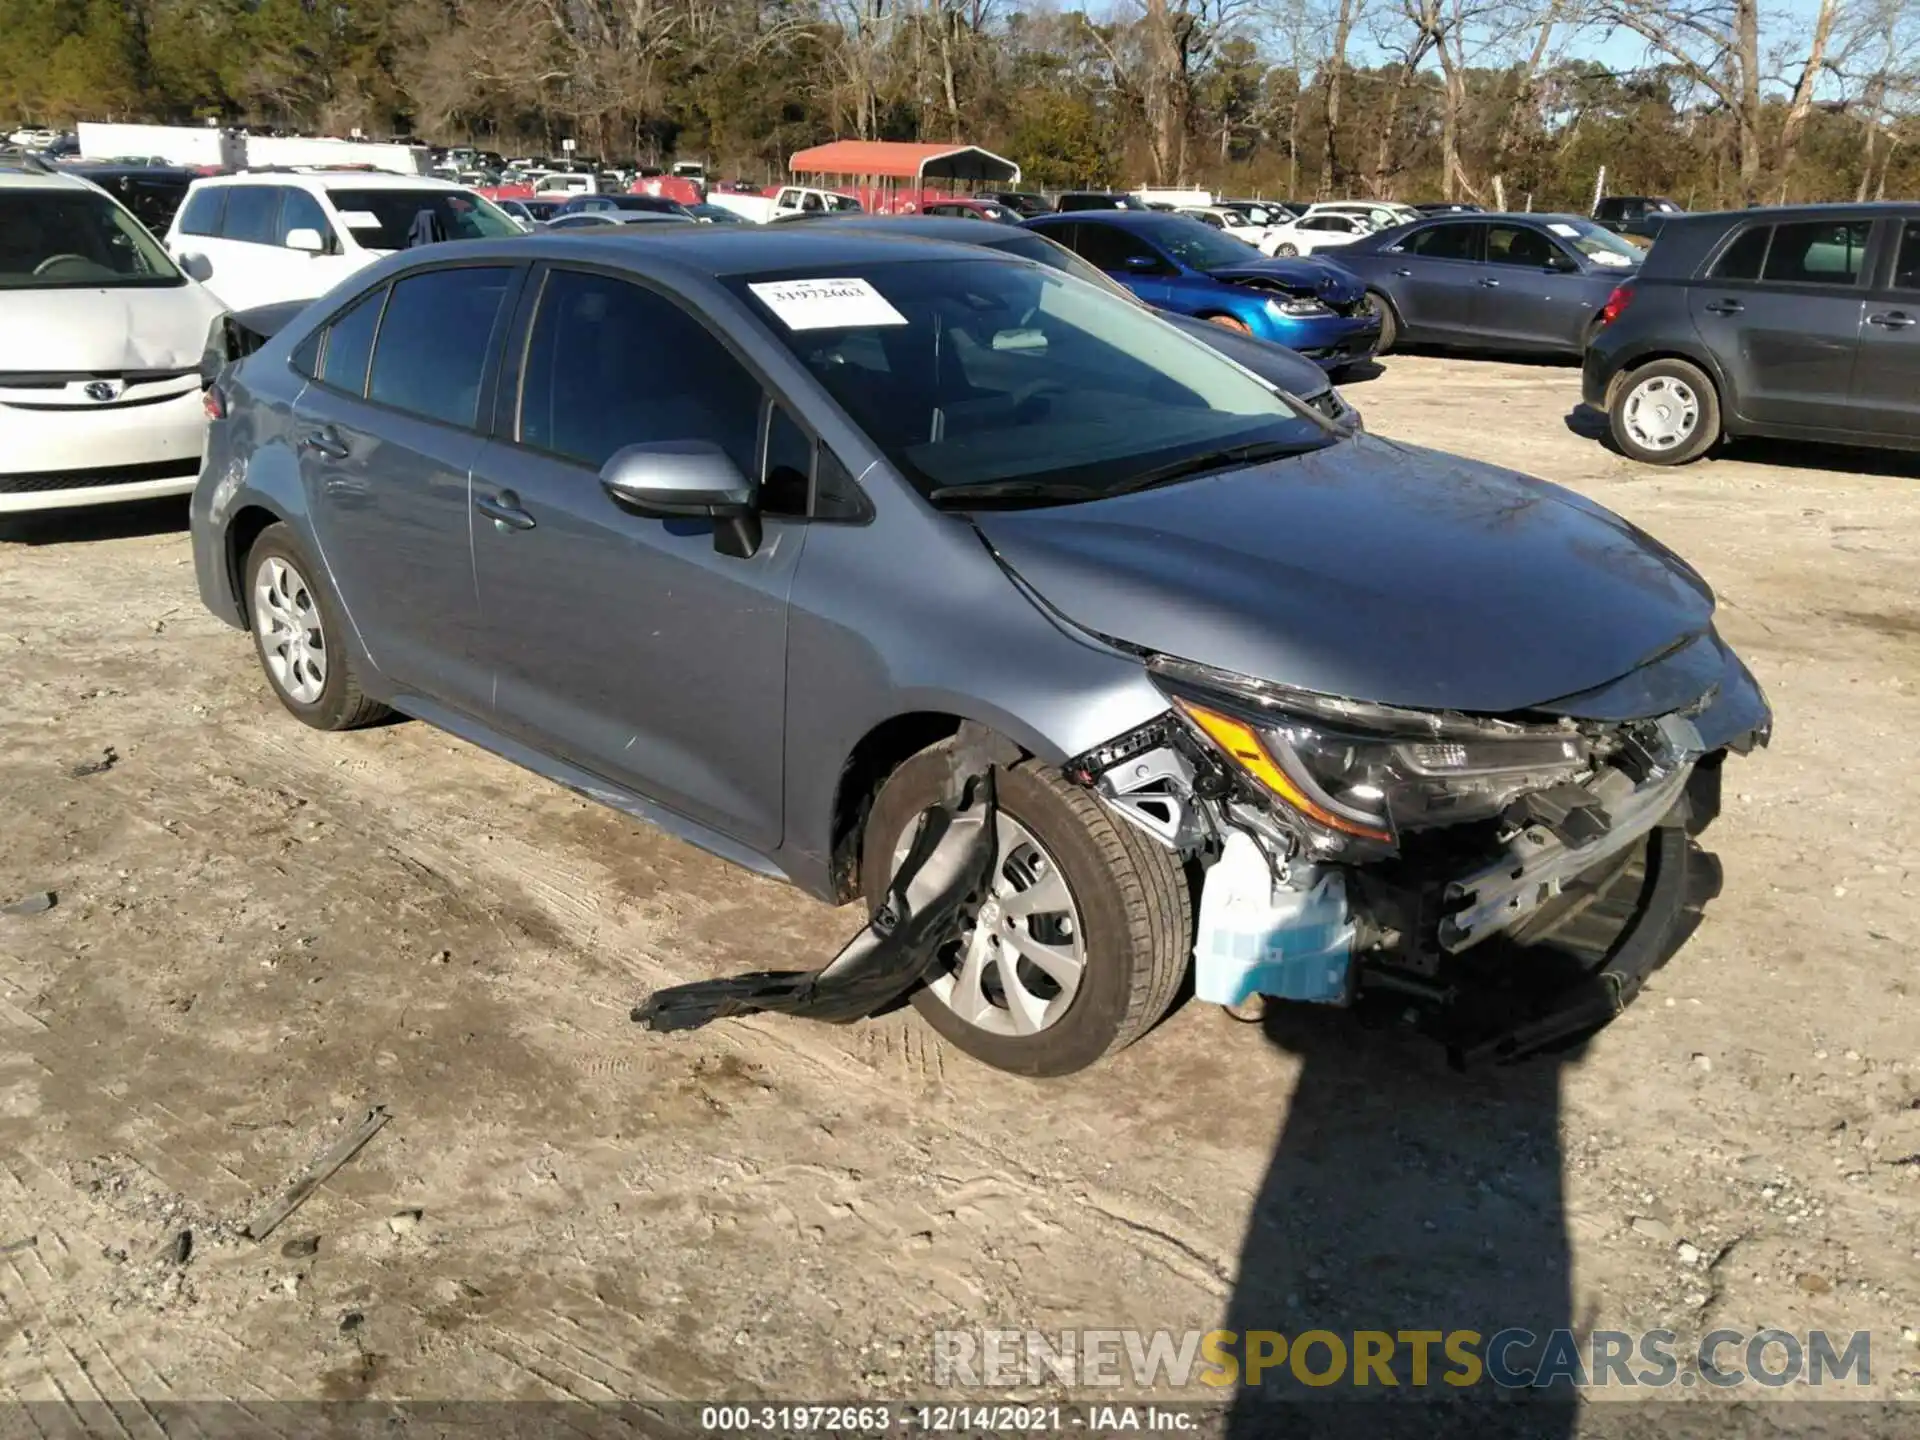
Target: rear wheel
{"x":1286,"y":247}
{"x":1084,"y":937}
{"x":1665,"y":413}
{"x":299,"y":634}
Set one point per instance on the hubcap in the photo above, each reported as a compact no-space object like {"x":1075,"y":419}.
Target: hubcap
{"x":290,"y":635}
{"x":1017,"y":964}
{"x":1661,"y":413}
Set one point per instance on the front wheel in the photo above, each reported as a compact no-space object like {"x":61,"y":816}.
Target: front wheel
{"x":1082,"y":941}
{"x":1665,"y":413}
{"x":1286,"y":247}
{"x":1389,"y":322}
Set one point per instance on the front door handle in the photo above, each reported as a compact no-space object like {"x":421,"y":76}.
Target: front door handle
{"x":1724,"y":307}
{"x":325,"y":441}
{"x":1491,"y":283}
{"x":1403,"y":272}
{"x":1892,"y":319}
{"x":504,"y":510}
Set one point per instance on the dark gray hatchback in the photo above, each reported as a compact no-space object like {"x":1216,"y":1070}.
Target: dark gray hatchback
{"x":1796,"y":322}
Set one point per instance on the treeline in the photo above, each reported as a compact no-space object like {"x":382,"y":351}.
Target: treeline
{"x":1724,"y":101}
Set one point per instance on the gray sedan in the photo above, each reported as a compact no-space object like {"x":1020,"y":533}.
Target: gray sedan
{"x":754,"y":533}
{"x":1531,"y":283}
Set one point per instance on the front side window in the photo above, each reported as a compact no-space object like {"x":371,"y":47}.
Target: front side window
{"x":1199,"y":248}
{"x":1000,"y":373}
{"x":388,"y":219}
{"x":300,"y":211}
{"x":76,"y":239}
{"x":611,"y":364}
{"x":434,"y":341}
{"x":1518,"y":245}
{"x":1817,"y":252}
{"x":1111,"y":248}
{"x":1445,"y":242}
{"x":253,"y":214}
{"x":1906,"y":264}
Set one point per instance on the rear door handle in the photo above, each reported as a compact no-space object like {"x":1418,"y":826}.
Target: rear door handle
{"x":1892,"y":319}
{"x":1724,"y":307}
{"x":1403,"y":272}
{"x":504,"y":510}
{"x":1491,"y":283}
{"x":325,"y":441}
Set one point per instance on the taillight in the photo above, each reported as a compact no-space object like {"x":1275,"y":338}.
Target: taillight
{"x":1618,"y":301}
{"x":214,"y":402}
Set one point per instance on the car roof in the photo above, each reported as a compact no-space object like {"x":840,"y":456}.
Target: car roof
{"x":720,"y":251}
{"x":40,"y":180}
{"x":333,"y":179}
{"x":952,"y":228}
{"x":1126,"y":219}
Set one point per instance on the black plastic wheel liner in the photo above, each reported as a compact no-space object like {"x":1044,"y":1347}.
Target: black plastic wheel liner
{"x":936,"y":887}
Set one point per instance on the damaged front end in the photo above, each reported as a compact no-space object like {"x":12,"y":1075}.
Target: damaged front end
{"x":1361,"y":851}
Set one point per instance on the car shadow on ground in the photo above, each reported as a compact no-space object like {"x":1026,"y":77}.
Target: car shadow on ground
{"x":123,"y":521}
{"x":1590,"y":423}
{"x":1404,"y":1197}
{"x":1505,"y":357}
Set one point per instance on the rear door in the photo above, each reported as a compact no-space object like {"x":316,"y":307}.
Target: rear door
{"x":388,"y":433}
{"x":1433,"y":275}
{"x":248,"y":263}
{"x":1782,"y":308}
{"x":1886,"y":370}
{"x":630,"y":645}
{"x":1532,"y":293}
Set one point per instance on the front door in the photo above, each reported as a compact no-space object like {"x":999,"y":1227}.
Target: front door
{"x":1531,"y":292}
{"x":631,"y":646}
{"x":1886,"y":371}
{"x":1788,"y":338}
{"x":1126,"y":257}
{"x":387,"y":450}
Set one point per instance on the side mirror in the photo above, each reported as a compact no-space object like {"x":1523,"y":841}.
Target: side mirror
{"x":306,"y":239}
{"x":675,"y":479}
{"x":196,"y":266}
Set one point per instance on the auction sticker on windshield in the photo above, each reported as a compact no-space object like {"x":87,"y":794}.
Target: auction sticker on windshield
{"x":826,"y":304}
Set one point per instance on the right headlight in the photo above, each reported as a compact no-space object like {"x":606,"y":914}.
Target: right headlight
{"x":1358,"y":776}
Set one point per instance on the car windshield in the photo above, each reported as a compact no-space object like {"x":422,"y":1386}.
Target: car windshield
{"x":1199,"y":246}
{"x":1001,"y":382}
{"x":76,"y":240}
{"x":1596,"y":242}
{"x":1262,"y":215}
{"x":384,"y":219}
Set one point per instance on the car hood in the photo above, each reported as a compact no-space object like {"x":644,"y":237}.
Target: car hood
{"x":66,"y":331}
{"x":1369,"y":569}
{"x":1275,"y":364}
{"x":1302,"y":277}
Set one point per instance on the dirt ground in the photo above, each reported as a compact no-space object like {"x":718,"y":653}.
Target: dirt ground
{"x":262,"y":932}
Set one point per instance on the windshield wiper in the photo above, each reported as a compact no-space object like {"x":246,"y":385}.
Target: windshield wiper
{"x":980,"y":490}
{"x":1232,"y":455}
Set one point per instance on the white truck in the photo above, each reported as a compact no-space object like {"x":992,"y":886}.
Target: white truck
{"x":788,"y":200}
{"x":209,"y":147}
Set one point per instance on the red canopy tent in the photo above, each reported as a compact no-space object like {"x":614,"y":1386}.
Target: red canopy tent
{"x":892,"y":174}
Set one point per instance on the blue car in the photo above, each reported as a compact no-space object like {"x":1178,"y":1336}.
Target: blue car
{"x":1173,"y":262}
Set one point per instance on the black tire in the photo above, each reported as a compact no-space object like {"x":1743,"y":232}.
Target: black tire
{"x":1286,"y":248}
{"x":1706,"y":430}
{"x":1389,"y":322}
{"x":340,"y":704}
{"x":1131,"y":894}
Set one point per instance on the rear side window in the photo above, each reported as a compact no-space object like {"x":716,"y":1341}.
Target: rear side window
{"x":434,"y":342}
{"x":1443,"y":242}
{"x":349,"y":343}
{"x":1742,"y":259}
{"x":203,"y":210}
{"x":1906,"y":264}
{"x":1818,"y":252}
{"x":253,"y":213}
{"x":610,"y":364}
